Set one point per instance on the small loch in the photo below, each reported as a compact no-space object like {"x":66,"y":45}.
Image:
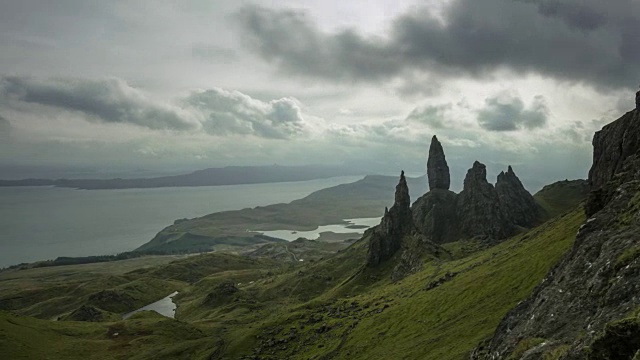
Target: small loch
{"x":165,"y":307}
{"x":352,"y":226}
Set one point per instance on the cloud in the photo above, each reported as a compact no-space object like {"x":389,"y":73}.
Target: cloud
{"x":108,"y":101}
{"x":579,"y":41}
{"x":232,"y":112}
{"x":213,"y":53}
{"x":589,"y":15}
{"x":216,"y":112}
{"x":508,"y":113}
{"x":433,"y":116}
{"x":5,"y":128}
{"x":290,"y":39}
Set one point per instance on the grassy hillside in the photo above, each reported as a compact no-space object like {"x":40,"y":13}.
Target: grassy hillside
{"x":441,"y":312}
{"x":330,"y":307}
{"x":562,"y":196}
{"x":143,"y":336}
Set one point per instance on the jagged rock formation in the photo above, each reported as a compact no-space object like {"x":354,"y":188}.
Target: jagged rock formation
{"x":597,"y":283}
{"x":517,"y":205}
{"x":396,"y":223}
{"x":437,"y":168}
{"x":638,"y":100}
{"x":441,"y":216}
{"x":478,"y":207}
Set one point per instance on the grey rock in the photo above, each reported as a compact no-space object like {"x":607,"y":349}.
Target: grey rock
{"x":611,"y":146}
{"x":517,"y":205}
{"x":478,"y":207}
{"x":396,"y":223}
{"x":434,"y":215}
{"x":437,"y":168}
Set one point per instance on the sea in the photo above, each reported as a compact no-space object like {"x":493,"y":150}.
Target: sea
{"x":42,"y":223}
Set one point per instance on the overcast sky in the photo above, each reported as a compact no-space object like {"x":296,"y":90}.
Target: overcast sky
{"x":170,"y":86}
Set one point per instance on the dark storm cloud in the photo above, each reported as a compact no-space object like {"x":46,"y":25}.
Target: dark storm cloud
{"x":584,"y":15}
{"x":231,"y":112}
{"x":583,"y":41}
{"x":109,"y":101}
{"x":292,"y":40}
{"x":508,"y":114}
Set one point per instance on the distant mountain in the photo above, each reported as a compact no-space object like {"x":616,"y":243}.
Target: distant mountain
{"x":230,"y":175}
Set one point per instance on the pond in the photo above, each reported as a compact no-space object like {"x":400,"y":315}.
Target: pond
{"x":165,"y":307}
{"x":352,"y":226}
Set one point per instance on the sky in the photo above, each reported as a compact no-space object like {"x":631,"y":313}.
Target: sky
{"x":142,"y":87}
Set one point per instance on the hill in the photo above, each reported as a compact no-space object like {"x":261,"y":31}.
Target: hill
{"x":238,"y":229}
{"x":231,"y":175}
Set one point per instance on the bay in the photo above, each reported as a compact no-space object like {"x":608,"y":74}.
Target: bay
{"x":42,"y":223}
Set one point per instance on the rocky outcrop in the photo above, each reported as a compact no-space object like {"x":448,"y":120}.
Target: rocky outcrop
{"x":479,"y":211}
{"x":638,"y":100}
{"x":440,"y":216}
{"x":516,"y":203}
{"x":434,"y":215}
{"x":582,"y":299}
{"x":612,"y":146}
{"x":478,"y":207}
{"x":437,"y":168}
{"x":396,"y":223}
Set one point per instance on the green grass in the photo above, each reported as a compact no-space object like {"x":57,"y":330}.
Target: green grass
{"x":368,"y":316}
{"x":561,"y":196}
{"x":144,"y":336}
{"x":329,"y":308}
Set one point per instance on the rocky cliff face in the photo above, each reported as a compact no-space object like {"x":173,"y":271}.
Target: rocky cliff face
{"x":516,"y":203}
{"x":478,"y":207}
{"x":612,"y":146}
{"x":576,"y":307}
{"x":435,"y":216}
{"x":396,"y":223}
{"x":437,"y":168}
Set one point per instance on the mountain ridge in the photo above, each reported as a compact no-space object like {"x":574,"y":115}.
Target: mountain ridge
{"x":230,"y":175}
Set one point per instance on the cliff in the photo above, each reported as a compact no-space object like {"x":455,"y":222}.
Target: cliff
{"x":586,"y":307}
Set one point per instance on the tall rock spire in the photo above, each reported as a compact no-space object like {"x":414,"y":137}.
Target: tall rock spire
{"x":396,"y":223}
{"x":437,"y":168}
